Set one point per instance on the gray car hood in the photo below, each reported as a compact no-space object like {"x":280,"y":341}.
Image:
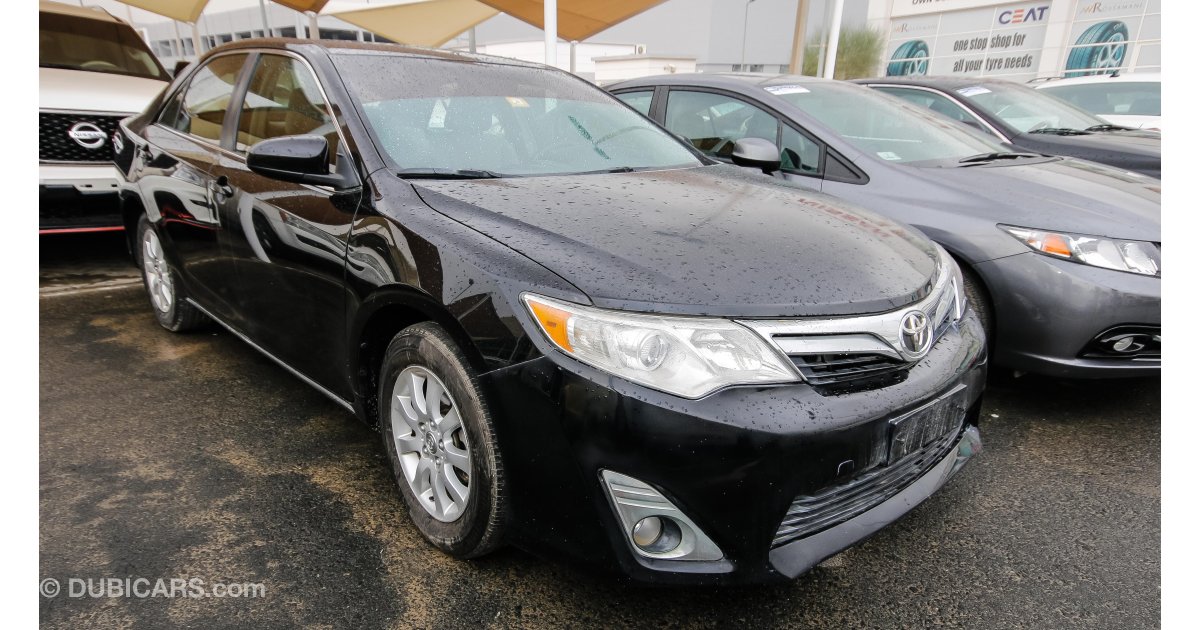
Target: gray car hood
{"x":708,"y":240}
{"x":1065,"y":195}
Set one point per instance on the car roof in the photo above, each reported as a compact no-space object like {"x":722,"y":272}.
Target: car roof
{"x":1147,"y":77}
{"x":944,"y":82}
{"x":720,"y":79}
{"x":350,"y":47}
{"x":91,"y":13}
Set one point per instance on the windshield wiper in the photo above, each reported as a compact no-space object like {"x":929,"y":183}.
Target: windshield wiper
{"x":615,"y":169}
{"x":1108,"y":127}
{"x":998,"y":155}
{"x":1062,"y":131}
{"x":448,"y":173}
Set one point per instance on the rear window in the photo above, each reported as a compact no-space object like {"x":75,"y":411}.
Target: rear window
{"x":1112,"y":98}
{"x":76,"y":43}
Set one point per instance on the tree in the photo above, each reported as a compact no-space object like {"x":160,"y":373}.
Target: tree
{"x":859,"y":51}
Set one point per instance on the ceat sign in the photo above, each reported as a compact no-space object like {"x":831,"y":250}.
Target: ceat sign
{"x":1021,"y":16}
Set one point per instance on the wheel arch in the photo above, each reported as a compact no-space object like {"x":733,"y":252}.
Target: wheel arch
{"x":383,"y":314}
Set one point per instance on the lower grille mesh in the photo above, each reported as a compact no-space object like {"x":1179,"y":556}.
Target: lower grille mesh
{"x":810,"y":514}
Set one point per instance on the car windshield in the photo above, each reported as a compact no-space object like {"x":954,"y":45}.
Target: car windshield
{"x":1025,"y":109}
{"x":1112,"y":98}
{"x":77,"y":43}
{"x":437,"y":117}
{"x":884,"y":126}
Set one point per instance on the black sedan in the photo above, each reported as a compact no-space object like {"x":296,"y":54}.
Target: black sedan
{"x":573,"y":332}
{"x":1030,"y":120}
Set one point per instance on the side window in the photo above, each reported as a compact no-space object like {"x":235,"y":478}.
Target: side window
{"x":283,"y":99}
{"x":201,"y":109}
{"x":799,"y":154}
{"x":931,"y":100}
{"x":713,"y":122}
{"x":638,"y":100}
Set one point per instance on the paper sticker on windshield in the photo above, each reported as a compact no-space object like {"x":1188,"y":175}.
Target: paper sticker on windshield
{"x":888,"y":155}
{"x":973,"y":90}
{"x":516,"y":101}
{"x":780,"y":90}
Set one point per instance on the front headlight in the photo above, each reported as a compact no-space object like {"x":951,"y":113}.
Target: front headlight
{"x":686,"y":356}
{"x":1132,"y":256}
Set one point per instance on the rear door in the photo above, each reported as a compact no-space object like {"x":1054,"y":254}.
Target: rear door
{"x":175,"y":166}
{"x":288,"y":240}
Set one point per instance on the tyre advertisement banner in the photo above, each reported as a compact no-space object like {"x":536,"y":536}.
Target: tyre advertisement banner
{"x":1004,"y":40}
{"x":1109,"y":35}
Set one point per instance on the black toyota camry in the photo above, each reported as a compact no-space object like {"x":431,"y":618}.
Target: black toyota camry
{"x":574,"y":333}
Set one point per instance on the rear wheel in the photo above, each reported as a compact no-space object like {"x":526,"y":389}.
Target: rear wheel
{"x":441,"y":443}
{"x":167,"y":298}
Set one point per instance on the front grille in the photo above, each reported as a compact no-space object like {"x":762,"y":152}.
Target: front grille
{"x":810,"y":514}
{"x":54,"y":145}
{"x":832,"y":369}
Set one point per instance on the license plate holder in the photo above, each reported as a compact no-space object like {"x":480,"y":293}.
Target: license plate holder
{"x":921,"y":427}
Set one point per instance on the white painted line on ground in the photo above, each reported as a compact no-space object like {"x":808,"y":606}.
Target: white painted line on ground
{"x":75,"y":289}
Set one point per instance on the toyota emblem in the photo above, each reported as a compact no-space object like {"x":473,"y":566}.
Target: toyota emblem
{"x":915,"y":335}
{"x":87,"y":135}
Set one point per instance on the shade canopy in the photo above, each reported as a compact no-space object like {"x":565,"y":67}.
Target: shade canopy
{"x":189,"y":10}
{"x":182,"y":10}
{"x":577,"y":19}
{"x":417,"y":22}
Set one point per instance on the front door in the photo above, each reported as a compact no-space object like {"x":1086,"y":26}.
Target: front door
{"x":288,"y":241}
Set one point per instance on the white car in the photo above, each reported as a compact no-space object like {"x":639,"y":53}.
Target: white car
{"x":1129,"y":100}
{"x":93,"y":71}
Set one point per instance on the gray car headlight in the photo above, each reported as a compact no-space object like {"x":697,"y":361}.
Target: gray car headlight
{"x":1132,"y":256}
{"x":686,"y":356}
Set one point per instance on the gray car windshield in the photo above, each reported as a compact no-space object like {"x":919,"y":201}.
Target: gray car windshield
{"x":884,"y":126}
{"x":452,"y":118}
{"x":1026,"y":109}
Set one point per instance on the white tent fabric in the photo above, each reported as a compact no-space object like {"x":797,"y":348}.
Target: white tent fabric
{"x":415,"y":22}
{"x":577,"y":19}
{"x":189,"y":10}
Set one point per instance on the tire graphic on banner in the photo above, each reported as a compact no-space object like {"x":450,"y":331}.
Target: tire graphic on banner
{"x":1102,"y":49}
{"x":911,"y":58}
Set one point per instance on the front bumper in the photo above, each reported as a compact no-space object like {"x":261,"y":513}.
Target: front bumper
{"x":732,"y":462}
{"x":78,"y":198}
{"x":1048,"y":310}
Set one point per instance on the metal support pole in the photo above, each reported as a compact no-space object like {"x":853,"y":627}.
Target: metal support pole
{"x":262,"y":10}
{"x":798,"y":43}
{"x":199,"y":49}
{"x":178,"y":40}
{"x":835,"y":31}
{"x":471,"y":39}
{"x":300,"y":25}
{"x":573,"y":56}
{"x":314,"y":31}
{"x":745,"y":26}
{"x":550,"y":27}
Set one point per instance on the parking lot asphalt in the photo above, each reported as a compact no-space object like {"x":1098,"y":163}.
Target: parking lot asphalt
{"x":192,"y":456}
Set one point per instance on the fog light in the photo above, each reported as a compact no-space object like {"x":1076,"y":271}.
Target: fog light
{"x":652,"y":525}
{"x":657,"y":535}
{"x":1123,"y":344}
{"x":647,"y":531}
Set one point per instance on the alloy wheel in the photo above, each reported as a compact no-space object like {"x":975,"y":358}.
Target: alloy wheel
{"x":158,"y":275}
{"x":431,"y":443}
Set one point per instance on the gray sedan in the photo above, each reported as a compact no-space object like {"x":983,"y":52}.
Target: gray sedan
{"x":1061,"y":257}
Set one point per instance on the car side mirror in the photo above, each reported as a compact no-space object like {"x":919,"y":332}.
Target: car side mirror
{"x":300,"y":159}
{"x":756,"y":153}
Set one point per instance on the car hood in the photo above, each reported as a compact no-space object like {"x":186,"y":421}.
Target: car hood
{"x":1066,"y":195}
{"x":1133,"y":142}
{"x":82,"y":91}
{"x":704,"y":241}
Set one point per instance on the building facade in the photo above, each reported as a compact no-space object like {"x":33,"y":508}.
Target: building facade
{"x":1019,"y":40}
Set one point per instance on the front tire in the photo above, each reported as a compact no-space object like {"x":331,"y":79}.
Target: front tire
{"x":167,"y":299}
{"x":441,"y":443}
